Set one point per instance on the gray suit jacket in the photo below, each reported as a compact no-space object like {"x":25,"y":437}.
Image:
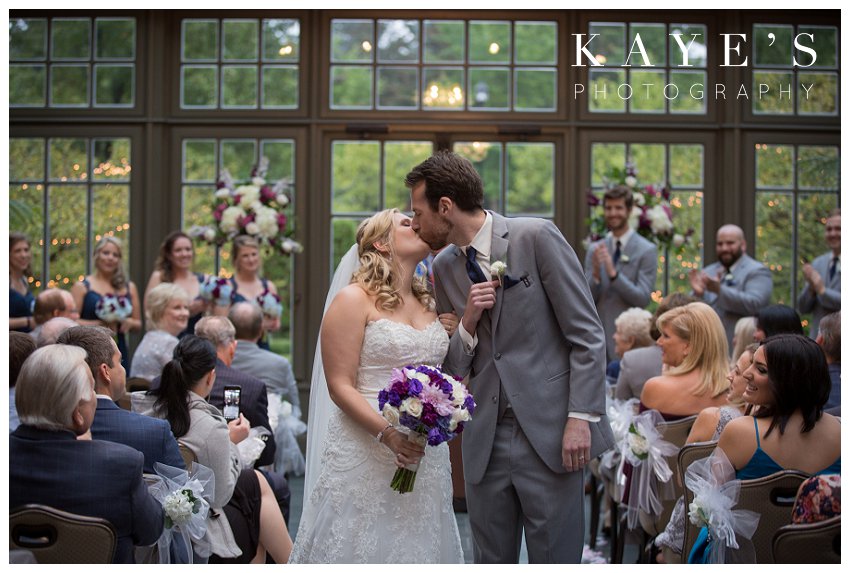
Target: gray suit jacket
{"x":636,"y":367}
{"x":634,"y":283}
{"x":749,"y":290}
{"x":821,"y":304}
{"x":542,"y":341}
{"x":273,"y":369}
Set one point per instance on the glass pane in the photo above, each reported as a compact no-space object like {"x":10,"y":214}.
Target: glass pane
{"x":239,"y":157}
{"x":691,"y":92}
{"x":399,"y":157}
{"x":773,"y":92}
{"x":772,"y":44}
{"x":489,"y":42}
{"x":697,"y":49}
{"x":603,"y":158}
{"x":489,"y":88}
{"x":196,"y":211}
{"x":812,"y":212}
{"x":654,"y":40}
{"x":817,"y":93}
{"x":398,"y":41}
{"x":773,"y":247}
{"x":602,"y":92}
{"x":68,"y":159}
{"x":398,"y":88}
{"x":609,"y":48}
{"x":687,"y":215}
{"x":31,"y":197}
{"x":649,"y":162}
{"x":486,"y":157}
{"x":356,"y":177}
{"x":536,"y":89}
{"x":351,"y":87}
{"x":113,"y":85}
{"x":199,"y":160}
{"x":67,"y":249}
{"x":200,"y":40}
{"x":280,"y":87}
{"x":281,"y":39}
{"x":199,"y":86}
{"x":281,"y":155}
{"x":239,"y":86}
{"x":115,"y":38}
{"x":774,"y":166}
{"x":239,"y":40}
{"x":27,"y":39}
{"x":686,"y":165}
{"x":352,"y":40}
{"x":531,"y":179}
{"x":824,"y":43}
{"x":26,"y":159}
{"x":111,"y":215}
{"x":536,"y":43}
{"x":69,"y":85}
{"x":111,"y":160}
{"x":344,"y":232}
{"x":648,"y":96}
{"x":443,"y":88}
{"x":817,"y":167}
{"x":27,"y":85}
{"x":71,"y":38}
{"x":444,"y":42}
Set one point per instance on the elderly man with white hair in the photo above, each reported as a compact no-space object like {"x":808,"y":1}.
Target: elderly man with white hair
{"x":51,"y":330}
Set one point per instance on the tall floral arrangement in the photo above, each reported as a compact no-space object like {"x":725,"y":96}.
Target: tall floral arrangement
{"x":651,"y":216}
{"x":257,"y":209}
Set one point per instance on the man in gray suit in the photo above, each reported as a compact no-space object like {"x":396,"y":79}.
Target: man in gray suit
{"x":532,"y":347}
{"x":736,"y":285}
{"x":822,"y":294}
{"x":620,"y":268}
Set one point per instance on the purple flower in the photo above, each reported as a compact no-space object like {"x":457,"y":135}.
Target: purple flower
{"x":592,"y":199}
{"x":429,"y":415}
{"x":435,"y":437}
{"x":266,"y":194}
{"x":393,"y":398}
{"x":469,"y":404}
{"x":383,"y":397}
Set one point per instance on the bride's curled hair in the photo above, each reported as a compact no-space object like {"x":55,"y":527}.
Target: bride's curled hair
{"x":380,"y":273}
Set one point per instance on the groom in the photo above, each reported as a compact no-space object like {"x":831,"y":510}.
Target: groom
{"x":534,"y":350}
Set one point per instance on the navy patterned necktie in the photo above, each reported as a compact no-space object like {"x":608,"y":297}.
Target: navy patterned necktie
{"x":832,"y":266}
{"x":473,"y":269}
{"x":617,"y":252}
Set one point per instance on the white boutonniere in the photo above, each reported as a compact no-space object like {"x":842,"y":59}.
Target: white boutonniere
{"x":498,"y":270}
{"x":729,"y":278}
{"x":624,"y":258}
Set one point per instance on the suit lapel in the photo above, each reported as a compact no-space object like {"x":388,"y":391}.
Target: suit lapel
{"x":498,"y":252}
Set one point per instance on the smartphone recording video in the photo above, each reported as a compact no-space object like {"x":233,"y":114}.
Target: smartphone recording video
{"x":232,"y":397}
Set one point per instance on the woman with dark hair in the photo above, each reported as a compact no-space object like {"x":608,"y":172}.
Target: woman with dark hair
{"x":174,"y":265}
{"x":777,"y":319}
{"x":245,"y":520}
{"x":21,"y":299}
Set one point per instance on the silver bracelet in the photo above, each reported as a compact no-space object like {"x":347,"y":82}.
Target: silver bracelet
{"x":380,"y":435}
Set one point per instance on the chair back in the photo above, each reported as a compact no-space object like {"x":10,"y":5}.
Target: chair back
{"x":189,"y":457}
{"x":808,"y":542}
{"x":56,"y":536}
{"x":136,"y":384}
{"x":687,"y":455}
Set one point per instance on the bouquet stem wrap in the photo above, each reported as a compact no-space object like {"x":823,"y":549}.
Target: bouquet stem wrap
{"x":405,"y":477}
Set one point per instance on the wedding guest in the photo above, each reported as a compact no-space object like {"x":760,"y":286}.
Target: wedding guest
{"x":829,"y":339}
{"x":21,"y":299}
{"x":56,"y":404}
{"x":822,"y":293}
{"x":108,"y":279}
{"x":620,"y":268}
{"x":818,"y":499}
{"x":632,"y":331}
{"x":736,"y":285}
{"x":776,"y":319}
{"x":51,"y":330}
{"x":745,"y":330}
{"x":51,"y":303}
{"x":174,"y":265}
{"x":21,"y":345}
{"x":247,"y":282}
{"x":168,"y":313}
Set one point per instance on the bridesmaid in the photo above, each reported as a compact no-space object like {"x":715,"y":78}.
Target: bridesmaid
{"x":174,"y":265}
{"x":108,"y":278}
{"x":246,"y":280}
{"x":21,"y":299}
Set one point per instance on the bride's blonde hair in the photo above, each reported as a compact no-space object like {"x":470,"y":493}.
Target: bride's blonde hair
{"x":379,"y":273}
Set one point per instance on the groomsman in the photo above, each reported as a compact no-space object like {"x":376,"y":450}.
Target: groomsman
{"x":533,"y":348}
{"x":822,"y":294}
{"x":736,"y":285}
{"x":620,"y":268}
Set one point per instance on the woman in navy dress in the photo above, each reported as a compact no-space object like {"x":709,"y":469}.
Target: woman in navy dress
{"x":108,"y":278}
{"x":174,"y":265}
{"x":21,"y":299}
{"x":247,"y":283}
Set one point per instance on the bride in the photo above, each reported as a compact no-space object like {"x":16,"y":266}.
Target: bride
{"x":383,"y":320}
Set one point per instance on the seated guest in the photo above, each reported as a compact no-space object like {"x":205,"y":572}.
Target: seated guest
{"x":788,"y":382}
{"x":51,"y":303}
{"x":150,"y":436}
{"x":777,"y":319}
{"x":168,"y":313}
{"x":818,"y":499}
{"x":639,"y":365}
{"x":51,"y":330}
{"x":56,"y":404}
{"x":21,"y":345}
{"x":829,"y":339}
{"x":745,"y":329}
{"x":631,"y":331}
{"x":248,"y":521}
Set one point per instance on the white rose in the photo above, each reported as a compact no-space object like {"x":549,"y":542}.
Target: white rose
{"x":678,"y":240}
{"x":412,"y":406}
{"x":422,"y":377}
{"x":638,"y":444}
{"x":631,"y":180}
{"x":282,"y":200}
{"x":458,"y":394}
{"x":252,"y":228}
{"x":659,"y":221}
{"x":222,"y":193}
{"x":209,"y":235}
{"x":258,"y":181}
{"x":249,"y":193}
{"x":230,"y":218}
{"x":640,"y":200}
{"x":267,"y":226}
{"x":390,"y":414}
{"x":460,"y":415}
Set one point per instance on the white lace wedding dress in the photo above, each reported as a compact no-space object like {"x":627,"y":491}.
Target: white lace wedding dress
{"x":352,"y":515}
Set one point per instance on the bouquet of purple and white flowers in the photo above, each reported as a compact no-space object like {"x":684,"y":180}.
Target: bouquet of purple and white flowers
{"x":217,"y":290}
{"x":113,"y":308}
{"x":269,"y":303}
{"x":431,"y":405}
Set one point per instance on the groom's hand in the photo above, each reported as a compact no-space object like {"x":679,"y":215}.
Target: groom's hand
{"x":482,"y":296}
{"x":575,"y":446}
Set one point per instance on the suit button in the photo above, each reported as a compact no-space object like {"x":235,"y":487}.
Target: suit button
{"x":498,"y":355}
{"x":495,"y":399}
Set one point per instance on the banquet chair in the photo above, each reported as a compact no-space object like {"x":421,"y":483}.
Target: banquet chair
{"x":56,"y":536}
{"x":687,"y":455}
{"x":818,"y":542}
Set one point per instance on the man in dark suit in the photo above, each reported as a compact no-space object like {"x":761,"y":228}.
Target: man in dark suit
{"x":151,"y":436}
{"x":50,"y":465}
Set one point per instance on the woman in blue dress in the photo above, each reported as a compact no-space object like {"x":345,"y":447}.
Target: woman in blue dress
{"x":174,"y":265}
{"x":788,"y":382}
{"x":247,"y":283}
{"x":108,"y":278}
{"x":21,"y":299}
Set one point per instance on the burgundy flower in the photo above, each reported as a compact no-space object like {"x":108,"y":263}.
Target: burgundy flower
{"x":665,"y":193}
{"x":266,"y":194}
{"x":281,"y":220}
{"x":592,"y":199}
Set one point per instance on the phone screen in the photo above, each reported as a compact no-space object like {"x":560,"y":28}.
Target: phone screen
{"x":232,"y":395}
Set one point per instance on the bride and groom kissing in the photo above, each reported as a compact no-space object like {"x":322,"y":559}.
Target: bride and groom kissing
{"x":530,"y":346}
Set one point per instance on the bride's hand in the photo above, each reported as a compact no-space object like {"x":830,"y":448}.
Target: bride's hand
{"x":406,"y":452}
{"x":449,"y":320}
